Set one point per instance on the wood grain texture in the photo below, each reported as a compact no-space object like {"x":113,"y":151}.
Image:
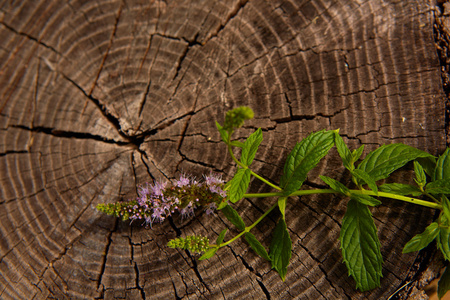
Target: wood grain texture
{"x":97,"y":97}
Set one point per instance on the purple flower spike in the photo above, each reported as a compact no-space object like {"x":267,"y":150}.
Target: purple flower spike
{"x":158,"y":201}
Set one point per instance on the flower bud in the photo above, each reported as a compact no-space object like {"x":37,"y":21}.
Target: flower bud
{"x":192,"y":243}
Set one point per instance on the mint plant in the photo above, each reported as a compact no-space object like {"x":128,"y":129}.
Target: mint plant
{"x":361,"y":248}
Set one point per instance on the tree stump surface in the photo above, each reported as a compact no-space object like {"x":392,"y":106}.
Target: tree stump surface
{"x":97,"y":97}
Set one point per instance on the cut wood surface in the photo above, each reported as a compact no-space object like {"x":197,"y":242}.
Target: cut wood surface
{"x":97,"y":97}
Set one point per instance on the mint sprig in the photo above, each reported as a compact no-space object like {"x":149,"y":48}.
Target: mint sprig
{"x":359,"y":242}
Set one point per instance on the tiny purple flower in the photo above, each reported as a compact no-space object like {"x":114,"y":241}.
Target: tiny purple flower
{"x":214,"y":189}
{"x":158,"y":214}
{"x":187,"y":211}
{"x":158,"y":188}
{"x":144,"y":190}
{"x":213,"y":179}
{"x":148,"y":221}
{"x":183,"y":181}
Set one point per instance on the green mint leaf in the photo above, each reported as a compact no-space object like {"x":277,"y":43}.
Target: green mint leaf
{"x":442,"y":169}
{"x":256,"y":246}
{"x":443,"y":241}
{"x":440,"y":186}
{"x":445,"y":207}
{"x":421,"y":240}
{"x":222,"y":205}
{"x":388,"y":158}
{"x":282,"y":205}
{"x":363,"y":177}
{"x":221,"y":237}
{"x":360,"y":246}
{"x":208,"y":254}
{"x":235,"y":118}
{"x":444,"y":283}
{"x":251,"y":146}
{"x":280,"y":249}
{"x":421,"y":179}
{"x":225,"y":135}
{"x":336,"y":185}
{"x":400,"y":189}
{"x":305,"y":156}
{"x":239,"y":185}
{"x":233,"y":217}
{"x":343,"y":151}
{"x":428,"y":164}
{"x":356,"y":154}
{"x":365,"y":199}
{"x":237,"y":144}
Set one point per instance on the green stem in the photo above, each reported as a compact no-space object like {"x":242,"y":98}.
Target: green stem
{"x":431,"y":196}
{"x":401,"y":198}
{"x":247,"y":229}
{"x":230,"y":150}
{"x":265,"y":181}
{"x":362,"y":192}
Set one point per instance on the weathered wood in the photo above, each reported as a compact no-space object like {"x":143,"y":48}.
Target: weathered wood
{"x":98,"y":96}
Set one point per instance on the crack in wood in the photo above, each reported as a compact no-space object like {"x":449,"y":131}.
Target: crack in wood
{"x":144,"y":99}
{"x":264,"y":289}
{"x":146,"y":165}
{"x":330,"y":282}
{"x":9,"y":152}
{"x":105,"y":254}
{"x":30,"y":37}
{"x":240,"y":5}
{"x":141,"y":289}
{"x":190,"y":45}
{"x":245,"y":263}
{"x":200,"y":163}
{"x":133,"y":167}
{"x":175,"y":291}
{"x":72,"y":135}
{"x":136,"y":270}
{"x":196,"y":271}
{"x":111,"y":39}
{"x":138,"y":139}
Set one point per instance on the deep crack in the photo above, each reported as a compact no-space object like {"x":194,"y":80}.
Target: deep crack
{"x":105,"y":253}
{"x":71,"y":134}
